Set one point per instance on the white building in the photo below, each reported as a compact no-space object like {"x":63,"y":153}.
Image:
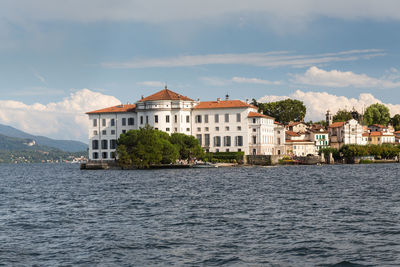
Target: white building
{"x":345,"y":133}
{"x":220,"y":126}
{"x":299,"y":144}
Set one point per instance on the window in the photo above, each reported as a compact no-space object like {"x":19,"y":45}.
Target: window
{"x":206,"y":129}
{"x":254,"y":151}
{"x":113,"y":144}
{"x":104,"y":155}
{"x":254,"y":130}
{"x":104,"y":144}
{"x":238,"y":117}
{"x":197,"y":119}
{"x":94,"y":122}
{"x":167,"y":118}
{"x":279,"y":141}
{"x":176,"y":119}
{"x":217,"y":129}
{"x":175,"y":129}
{"x":226,"y":117}
{"x":206,"y":118}
{"x":104,"y":132}
{"x":187,"y":119}
{"x":95,"y":132}
{"x":95,"y":155}
{"x":156,"y":118}
{"x":167,"y":129}
{"x":239,"y":140}
{"x":112,"y":155}
{"x":217,"y":141}
{"x":112,"y":131}
{"x":112,"y":122}
{"x":147,"y":119}
{"x":239,"y":128}
{"x":141,"y":119}
{"x":131,"y":121}
{"x":123,"y":131}
{"x":254,"y":120}
{"x":217,"y":150}
{"x":227,"y":128}
{"x":279,"y":132}
{"x":216,"y":118}
{"x":198,"y":137}
{"x":187,"y":129}
{"x":207,"y":140}
{"x":199,"y":129}
{"x":103,"y":122}
{"x":227,"y":150}
{"x":95,"y":144}
{"x":227,"y":141}
{"x":123,"y":121}
{"x":254,"y":139}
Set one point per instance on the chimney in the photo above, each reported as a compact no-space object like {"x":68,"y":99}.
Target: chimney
{"x":226,"y":97}
{"x":142,"y":96}
{"x":247,"y":100}
{"x":218,"y":99}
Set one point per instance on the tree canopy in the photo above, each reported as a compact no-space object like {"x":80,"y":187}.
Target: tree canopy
{"x":377,"y":114}
{"x":395,"y":121}
{"x":147,"y":146}
{"x":283,"y":111}
{"x":342,"y":115}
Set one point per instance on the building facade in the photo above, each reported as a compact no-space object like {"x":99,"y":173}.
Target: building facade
{"x":219,"y":126}
{"x":345,"y":133}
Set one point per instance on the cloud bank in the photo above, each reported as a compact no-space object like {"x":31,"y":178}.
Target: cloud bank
{"x":318,"y":103}
{"x":62,"y":120}
{"x":267,"y":59}
{"x":336,"y":78}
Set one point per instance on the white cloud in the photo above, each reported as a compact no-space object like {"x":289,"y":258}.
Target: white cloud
{"x":254,"y":80}
{"x":151,"y":84}
{"x":267,"y":59}
{"x":160,"y":11}
{"x":318,"y":103}
{"x":64,"y":120}
{"x":336,"y":78}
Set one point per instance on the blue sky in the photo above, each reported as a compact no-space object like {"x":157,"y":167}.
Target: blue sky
{"x":50,"y":50}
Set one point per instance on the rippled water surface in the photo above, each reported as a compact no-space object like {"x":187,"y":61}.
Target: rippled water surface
{"x":52,"y":215}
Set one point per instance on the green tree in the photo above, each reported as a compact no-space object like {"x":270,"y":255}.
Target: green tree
{"x":377,"y":114}
{"x":146,"y":147}
{"x":395,"y":121}
{"x":283,"y":111}
{"x":187,"y":146}
{"x":342,"y":115}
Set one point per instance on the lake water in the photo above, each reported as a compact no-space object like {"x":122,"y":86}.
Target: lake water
{"x":348,"y":215}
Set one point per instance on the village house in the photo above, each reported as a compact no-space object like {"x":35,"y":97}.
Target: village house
{"x":219,"y":126}
{"x":299,"y":144}
{"x":345,"y":133}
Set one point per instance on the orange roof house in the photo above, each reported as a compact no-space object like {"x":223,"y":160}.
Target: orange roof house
{"x":258,"y":115}
{"x":165,"y":94}
{"x":223,"y":104}
{"x":115,"y":109}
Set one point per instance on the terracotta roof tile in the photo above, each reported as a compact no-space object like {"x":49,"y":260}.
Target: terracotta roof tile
{"x":299,"y":141}
{"x":223,"y":104}
{"x":257,"y":115}
{"x":115,"y":109}
{"x":375,"y":134}
{"x":290,"y":133}
{"x":337,"y":124}
{"x":165,"y":94}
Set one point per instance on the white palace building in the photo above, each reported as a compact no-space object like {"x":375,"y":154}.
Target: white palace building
{"x":220,"y":126}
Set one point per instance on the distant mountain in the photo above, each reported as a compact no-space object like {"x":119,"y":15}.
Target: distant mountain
{"x":64,"y":145}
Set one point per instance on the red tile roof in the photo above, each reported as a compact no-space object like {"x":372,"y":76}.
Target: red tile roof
{"x":115,"y":109}
{"x":258,"y":115}
{"x":337,"y":124}
{"x":165,"y":94}
{"x":292,"y":133}
{"x":397,"y":132}
{"x":223,"y":104}
{"x":379,"y":126}
{"x":365,"y":134}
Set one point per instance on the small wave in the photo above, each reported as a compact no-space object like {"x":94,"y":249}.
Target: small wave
{"x":346,"y":264}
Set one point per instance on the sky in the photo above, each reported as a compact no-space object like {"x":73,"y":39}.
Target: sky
{"x":60,"y":59}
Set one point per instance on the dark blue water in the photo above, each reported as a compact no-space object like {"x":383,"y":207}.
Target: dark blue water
{"x":52,"y":215}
